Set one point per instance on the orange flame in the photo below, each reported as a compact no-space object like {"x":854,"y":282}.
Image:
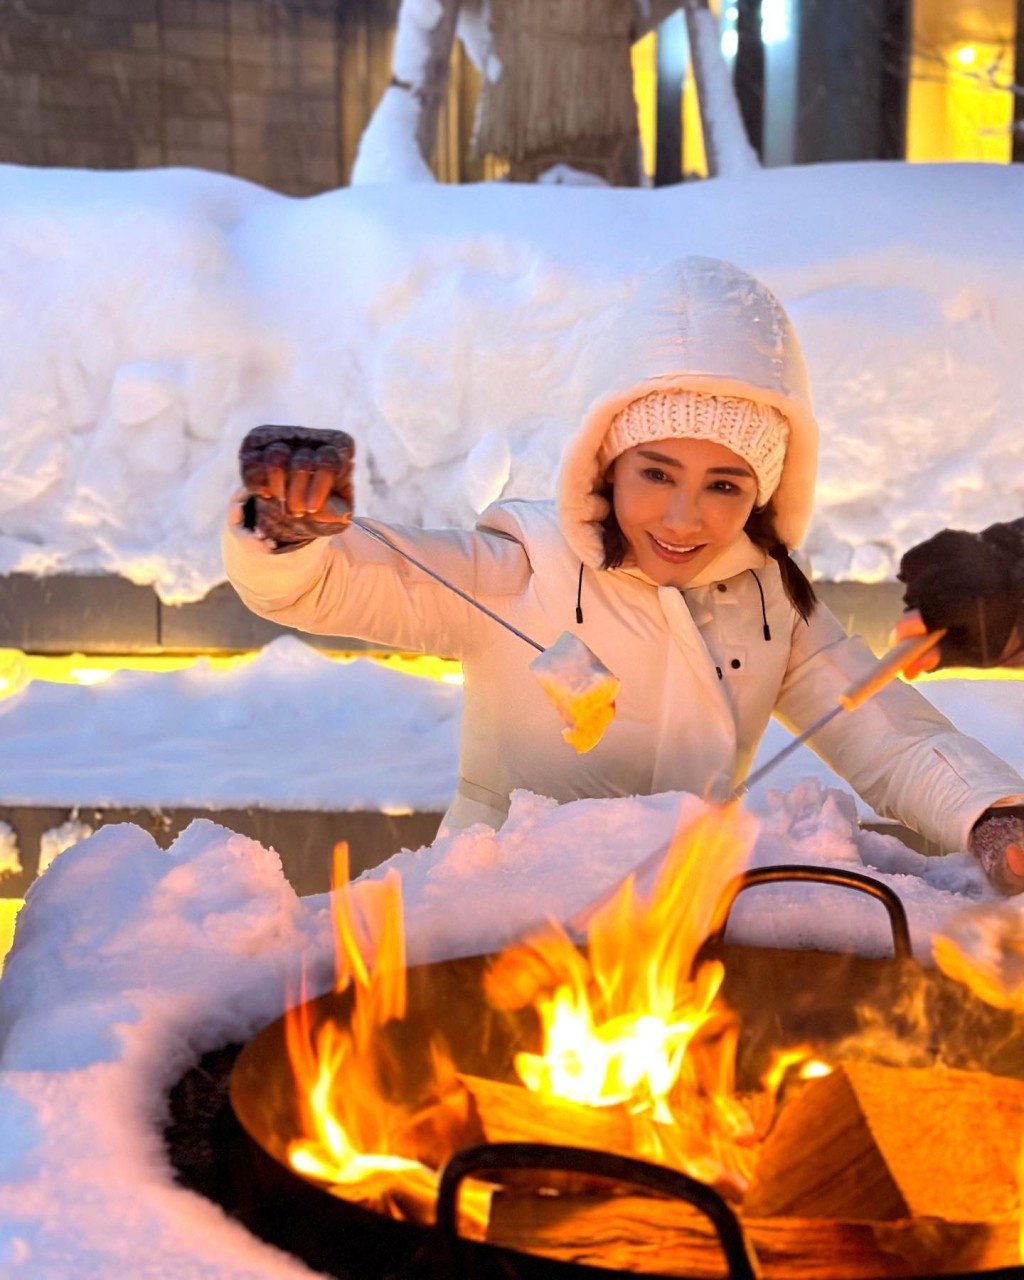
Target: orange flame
{"x":633,"y":1023}
{"x":365,"y":1132}
{"x":983,"y":948}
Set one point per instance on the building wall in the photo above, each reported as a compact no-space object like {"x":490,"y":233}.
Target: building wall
{"x":277,"y":91}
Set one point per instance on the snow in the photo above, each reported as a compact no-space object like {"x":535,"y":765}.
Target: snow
{"x":441,"y":326}
{"x":169,"y":312}
{"x":728,"y":141}
{"x":294,"y":729}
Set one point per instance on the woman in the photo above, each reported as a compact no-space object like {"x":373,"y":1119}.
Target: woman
{"x":667,"y":551}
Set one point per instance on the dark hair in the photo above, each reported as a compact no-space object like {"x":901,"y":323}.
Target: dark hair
{"x":760,"y":529}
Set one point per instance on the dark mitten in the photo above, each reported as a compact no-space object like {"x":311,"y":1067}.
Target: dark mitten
{"x":970,"y":585}
{"x":997,"y":841}
{"x":300,"y":479}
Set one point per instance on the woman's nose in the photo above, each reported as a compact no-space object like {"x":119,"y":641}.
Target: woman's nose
{"x":682,"y":511}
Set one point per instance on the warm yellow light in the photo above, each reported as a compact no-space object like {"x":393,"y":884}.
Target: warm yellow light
{"x":9,"y":908}
{"x":18,"y":669}
{"x":960,"y":91}
{"x":973,"y":673}
{"x":644,"y":57}
{"x":89,"y":675}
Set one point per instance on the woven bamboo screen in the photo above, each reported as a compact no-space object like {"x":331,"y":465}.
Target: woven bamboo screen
{"x":565,"y":92}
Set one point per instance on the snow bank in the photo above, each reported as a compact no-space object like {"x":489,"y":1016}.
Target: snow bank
{"x":295,"y":730}
{"x":129,"y":963}
{"x":172,"y":310}
{"x":292,"y":729}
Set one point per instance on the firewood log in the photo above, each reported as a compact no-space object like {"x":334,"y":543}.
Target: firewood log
{"x":881,"y":1143}
{"x":637,"y":1233}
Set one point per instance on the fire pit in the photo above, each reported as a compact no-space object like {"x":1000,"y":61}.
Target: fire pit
{"x":572,"y":1199}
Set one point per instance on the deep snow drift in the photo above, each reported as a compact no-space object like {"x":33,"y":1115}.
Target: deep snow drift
{"x":172,"y":310}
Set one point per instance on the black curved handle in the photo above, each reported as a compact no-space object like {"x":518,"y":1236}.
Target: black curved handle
{"x":901,"y":947}
{"x":489,"y":1157}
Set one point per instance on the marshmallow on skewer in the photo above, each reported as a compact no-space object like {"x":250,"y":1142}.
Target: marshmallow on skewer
{"x":581,"y":687}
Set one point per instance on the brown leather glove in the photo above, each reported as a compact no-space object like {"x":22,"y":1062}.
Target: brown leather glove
{"x":997,"y":841}
{"x":300,"y":482}
{"x":972,"y":584}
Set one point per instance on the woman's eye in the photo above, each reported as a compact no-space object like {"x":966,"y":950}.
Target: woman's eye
{"x":654,"y":474}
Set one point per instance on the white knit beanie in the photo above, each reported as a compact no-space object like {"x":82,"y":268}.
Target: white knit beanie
{"x":758,"y":433}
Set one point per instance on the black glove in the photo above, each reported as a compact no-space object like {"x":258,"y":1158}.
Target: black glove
{"x":997,"y":841}
{"x":973,"y":585}
{"x":300,"y":482}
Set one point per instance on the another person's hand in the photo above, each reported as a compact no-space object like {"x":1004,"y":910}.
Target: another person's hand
{"x":299,"y":480}
{"x":973,"y":586}
{"x":997,"y":841}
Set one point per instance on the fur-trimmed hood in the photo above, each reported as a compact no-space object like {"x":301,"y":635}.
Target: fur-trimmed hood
{"x":697,"y":324}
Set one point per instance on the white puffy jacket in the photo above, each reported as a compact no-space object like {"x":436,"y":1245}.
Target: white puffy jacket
{"x":699,"y":678}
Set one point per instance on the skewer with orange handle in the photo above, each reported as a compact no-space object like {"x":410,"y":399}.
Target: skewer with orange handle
{"x":894,"y":663}
{"x":885,"y":670}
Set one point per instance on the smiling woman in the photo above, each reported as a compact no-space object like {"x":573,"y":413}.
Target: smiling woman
{"x":689,"y":479}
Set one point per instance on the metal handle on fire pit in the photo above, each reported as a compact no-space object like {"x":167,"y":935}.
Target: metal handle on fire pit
{"x":490,"y":1157}
{"x":816,"y":875}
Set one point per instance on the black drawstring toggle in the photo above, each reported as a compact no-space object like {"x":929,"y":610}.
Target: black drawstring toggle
{"x":579,"y":598}
{"x":764,"y":612}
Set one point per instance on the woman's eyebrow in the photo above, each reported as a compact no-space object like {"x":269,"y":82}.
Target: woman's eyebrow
{"x":731,"y":471}
{"x":663,"y":458}
{"x":666,"y":460}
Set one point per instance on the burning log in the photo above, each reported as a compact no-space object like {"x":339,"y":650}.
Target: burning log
{"x":880,"y":1143}
{"x":510,"y":1113}
{"x":643,"y":1233}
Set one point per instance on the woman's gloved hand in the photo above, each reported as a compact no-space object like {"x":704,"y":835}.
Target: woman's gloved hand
{"x":299,"y":480}
{"x":972,"y":585}
{"x":997,"y":841}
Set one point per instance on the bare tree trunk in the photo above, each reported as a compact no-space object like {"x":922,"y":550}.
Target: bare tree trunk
{"x":726,"y":144}
{"x":433,"y":80}
{"x":398,"y":143}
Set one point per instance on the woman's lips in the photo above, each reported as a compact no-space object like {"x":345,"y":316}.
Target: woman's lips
{"x":671,"y":553}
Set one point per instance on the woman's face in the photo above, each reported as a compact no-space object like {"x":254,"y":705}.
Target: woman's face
{"x":679,"y":504}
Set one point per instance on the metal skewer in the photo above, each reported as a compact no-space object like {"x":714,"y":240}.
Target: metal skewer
{"x":431,"y":573}
{"x":885,"y":670}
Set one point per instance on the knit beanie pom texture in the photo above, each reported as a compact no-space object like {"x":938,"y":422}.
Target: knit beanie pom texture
{"x":757,"y":433}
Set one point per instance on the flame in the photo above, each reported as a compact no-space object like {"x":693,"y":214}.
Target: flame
{"x":365,"y":1130}
{"x":636,"y":1023}
{"x":635,"y":1028}
{"x":982,"y":947}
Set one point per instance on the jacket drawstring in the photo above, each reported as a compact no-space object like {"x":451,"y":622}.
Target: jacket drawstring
{"x":579,"y":598}
{"x":764,"y":611}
